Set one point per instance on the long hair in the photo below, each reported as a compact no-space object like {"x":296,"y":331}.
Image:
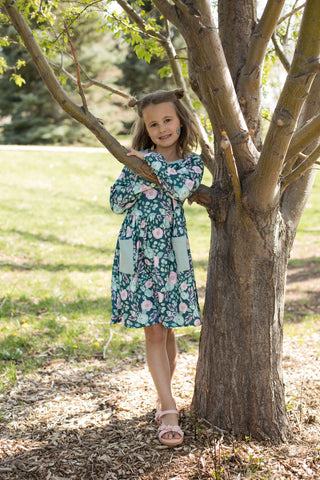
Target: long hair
{"x":189,"y":136}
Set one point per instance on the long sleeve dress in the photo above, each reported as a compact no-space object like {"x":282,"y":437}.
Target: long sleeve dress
{"x":152,"y":276}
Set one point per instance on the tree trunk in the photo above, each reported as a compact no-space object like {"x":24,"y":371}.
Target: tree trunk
{"x":239,"y":385}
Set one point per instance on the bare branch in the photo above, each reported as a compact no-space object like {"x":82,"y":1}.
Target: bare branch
{"x":302,"y":168}
{"x":250,"y":77}
{"x":90,"y":82}
{"x":263,"y":187}
{"x":81,"y":92}
{"x":302,"y":137}
{"x":281,"y":55}
{"x":226,"y":146}
{"x":295,"y":10}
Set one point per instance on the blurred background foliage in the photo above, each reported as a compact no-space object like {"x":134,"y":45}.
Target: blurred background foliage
{"x":113,"y":50}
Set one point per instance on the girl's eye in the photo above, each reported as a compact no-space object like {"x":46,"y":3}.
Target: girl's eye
{"x":153,"y":125}
{"x":167,"y":120}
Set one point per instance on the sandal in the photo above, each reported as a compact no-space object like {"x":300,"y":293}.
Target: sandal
{"x":163,"y":429}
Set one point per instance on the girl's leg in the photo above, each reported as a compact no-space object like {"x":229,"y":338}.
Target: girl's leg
{"x":171,"y":351}
{"x":161,"y":369}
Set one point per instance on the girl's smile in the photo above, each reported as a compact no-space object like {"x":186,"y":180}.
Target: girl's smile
{"x":163,"y":126}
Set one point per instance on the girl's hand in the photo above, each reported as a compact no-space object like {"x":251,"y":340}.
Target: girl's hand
{"x":135,"y":153}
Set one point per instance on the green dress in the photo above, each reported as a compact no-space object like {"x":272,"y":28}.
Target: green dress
{"x":152,"y":276}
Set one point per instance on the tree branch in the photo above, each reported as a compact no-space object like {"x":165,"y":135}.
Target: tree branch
{"x":305,"y":165}
{"x":250,"y":77}
{"x":226,"y":146}
{"x":165,"y":41}
{"x":90,"y":82}
{"x":81,"y":92}
{"x":86,"y":118}
{"x":303,"y":137}
{"x":281,"y":55}
{"x":295,"y":10}
{"x":263,"y":186}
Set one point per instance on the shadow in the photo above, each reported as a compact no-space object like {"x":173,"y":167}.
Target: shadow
{"x":56,"y":268}
{"x":303,"y":278}
{"x":58,"y":241}
{"x":72,"y":422}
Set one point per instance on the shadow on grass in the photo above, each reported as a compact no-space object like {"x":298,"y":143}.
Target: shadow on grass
{"x":59,"y":267}
{"x":58,"y":241}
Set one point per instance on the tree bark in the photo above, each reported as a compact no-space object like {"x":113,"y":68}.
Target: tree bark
{"x":239,"y":385}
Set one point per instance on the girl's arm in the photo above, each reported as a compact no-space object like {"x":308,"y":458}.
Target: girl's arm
{"x":126,"y":190}
{"x":180,"y":179}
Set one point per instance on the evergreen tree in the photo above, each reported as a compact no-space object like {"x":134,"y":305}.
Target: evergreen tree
{"x":30,"y":115}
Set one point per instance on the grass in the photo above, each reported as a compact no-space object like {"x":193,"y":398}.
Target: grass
{"x":56,"y":249}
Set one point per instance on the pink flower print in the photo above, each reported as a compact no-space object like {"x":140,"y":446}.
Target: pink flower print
{"x":135,"y":278}
{"x":173,"y":278}
{"x":156,"y":261}
{"x":183,"y":307}
{"x":151,"y":194}
{"x":144,"y":188}
{"x":124,"y":294}
{"x":197,"y":322}
{"x":171,"y":171}
{"x":197,"y":169}
{"x":122,"y":175}
{"x":189,"y":183}
{"x":148,"y":284}
{"x":184,"y":286}
{"x":118,"y":303}
{"x":146,"y":305}
{"x":143,"y":223}
{"x":157,"y":233}
{"x":129,"y":232}
{"x":160,"y":297}
{"x":138,"y":244}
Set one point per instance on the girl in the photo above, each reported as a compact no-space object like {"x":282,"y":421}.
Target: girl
{"x":153,"y":283}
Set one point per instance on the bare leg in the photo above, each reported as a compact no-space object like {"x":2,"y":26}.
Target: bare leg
{"x":161,"y":369}
{"x":171,"y":351}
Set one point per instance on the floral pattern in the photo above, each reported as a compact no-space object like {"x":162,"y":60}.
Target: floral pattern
{"x":152,"y":276}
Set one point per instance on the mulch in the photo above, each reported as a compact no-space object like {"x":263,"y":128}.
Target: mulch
{"x":78,"y":419}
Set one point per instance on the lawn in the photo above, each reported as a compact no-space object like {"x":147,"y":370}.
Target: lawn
{"x":58,"y":236}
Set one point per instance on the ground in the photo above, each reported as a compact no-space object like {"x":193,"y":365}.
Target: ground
{"x":79,"y":420}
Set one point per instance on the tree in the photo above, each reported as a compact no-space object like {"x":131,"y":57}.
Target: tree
{"x":260,"y":186}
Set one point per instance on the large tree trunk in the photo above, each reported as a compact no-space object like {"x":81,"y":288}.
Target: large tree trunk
{"x":239,"y":385}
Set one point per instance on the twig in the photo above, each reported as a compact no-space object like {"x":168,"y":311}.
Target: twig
{"x":226,"y":146}
{"x":81,"y":93}
{"x":302,"y":168}
{"x":291,"y":13}
{"x":107,"y":344}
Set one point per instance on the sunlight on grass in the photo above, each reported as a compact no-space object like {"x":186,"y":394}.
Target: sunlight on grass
{"x":56,"y":250}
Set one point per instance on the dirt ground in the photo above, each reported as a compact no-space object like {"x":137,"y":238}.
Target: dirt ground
{"x":79,"y":420}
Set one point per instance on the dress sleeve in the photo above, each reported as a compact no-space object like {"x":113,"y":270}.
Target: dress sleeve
{"x":180,"y":179}
{"x":126,"y":190}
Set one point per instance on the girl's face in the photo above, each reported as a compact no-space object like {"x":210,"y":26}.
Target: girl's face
{"x":163,"y":124}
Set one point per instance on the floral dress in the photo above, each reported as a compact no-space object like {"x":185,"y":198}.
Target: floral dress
{"x":152,"y":276}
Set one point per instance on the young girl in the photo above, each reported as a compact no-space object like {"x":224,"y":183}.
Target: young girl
{"x":153,"y":283}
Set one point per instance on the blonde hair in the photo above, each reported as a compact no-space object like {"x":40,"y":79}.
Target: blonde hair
{"x":189,"y":136}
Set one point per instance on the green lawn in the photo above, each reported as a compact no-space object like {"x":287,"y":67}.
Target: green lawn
{"x":56,"y":248}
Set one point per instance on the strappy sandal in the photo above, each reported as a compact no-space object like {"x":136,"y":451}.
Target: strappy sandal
{"x":163,"y":429}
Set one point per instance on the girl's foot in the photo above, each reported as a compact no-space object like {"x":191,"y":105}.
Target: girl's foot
{"x":169,"y":432}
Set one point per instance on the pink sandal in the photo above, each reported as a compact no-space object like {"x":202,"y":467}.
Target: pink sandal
{"x":163,"y":429}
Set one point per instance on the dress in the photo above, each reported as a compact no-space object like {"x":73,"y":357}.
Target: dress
{"x":152,"y":275}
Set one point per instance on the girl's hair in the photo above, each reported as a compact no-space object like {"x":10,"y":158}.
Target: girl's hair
{"x":189,"y":135}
